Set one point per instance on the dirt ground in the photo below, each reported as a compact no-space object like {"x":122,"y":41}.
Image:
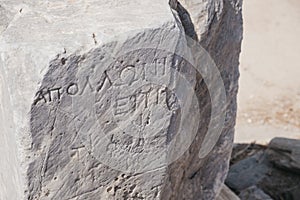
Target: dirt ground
{"x":269,"y":95}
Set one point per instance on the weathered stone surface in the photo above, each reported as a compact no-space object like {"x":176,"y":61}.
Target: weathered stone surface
{"x":218,"y":25}
{"x":227,"y":194}
{"x":248,"y":172}
{"x":285,"y":153}
{"x":254,"y":193}
{"x":254,"y":174}
{"x":89,"y":112}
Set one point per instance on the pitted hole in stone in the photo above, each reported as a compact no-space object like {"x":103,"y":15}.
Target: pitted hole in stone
{"x":63,"y":61}
{"x":109,"y":189}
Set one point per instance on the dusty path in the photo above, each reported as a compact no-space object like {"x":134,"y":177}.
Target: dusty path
{"x":269,"y":98}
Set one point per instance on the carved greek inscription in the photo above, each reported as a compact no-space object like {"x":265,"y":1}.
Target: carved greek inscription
{"x":40,"y":96}
{"x":125,"y":105}
{"x":72,"y":89}
{"x":129,"y":75}
{"x":157,"y":67}
{"x":48,"y":95}
{"x":104,"y":79}
{"x":141,"y":71}
{"x":54,"y":93}
{"x":150,"y":96}
{"x":87,"y":84}
{"x":126,"y":75}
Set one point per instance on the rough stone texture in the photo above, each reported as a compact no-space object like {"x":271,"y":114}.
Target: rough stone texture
{"x":54,"y":55}
{"x":218,"y":25}
{"x":285,"y":154}
{"x":227,"y":194}
{"x":248,"y":172}
{"x":254,"y":193}
{"x":257,"y":171}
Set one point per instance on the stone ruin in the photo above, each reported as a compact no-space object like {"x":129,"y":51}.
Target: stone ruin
{"x":117,"y":99}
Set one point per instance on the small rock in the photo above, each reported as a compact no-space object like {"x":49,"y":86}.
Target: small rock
{"x":227,"y":194}
{"x":272,"y":170}
{"x":247,"y":172}
{"x":254,"y":193}
{"x":285,"y":153}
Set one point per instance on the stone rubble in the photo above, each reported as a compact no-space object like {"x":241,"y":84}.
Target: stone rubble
{"x":261,"y":172}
